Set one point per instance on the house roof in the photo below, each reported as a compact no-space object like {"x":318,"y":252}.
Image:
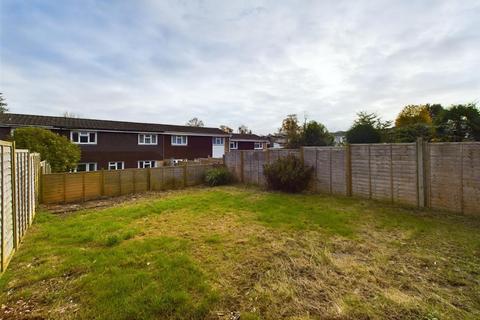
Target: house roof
{"x":19,"y":120}
{"x":246,"y":137}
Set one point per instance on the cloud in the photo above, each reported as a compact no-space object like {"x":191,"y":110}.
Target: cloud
{"x":235,"y":63}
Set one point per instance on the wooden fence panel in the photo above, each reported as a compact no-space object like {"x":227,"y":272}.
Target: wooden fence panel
{"x":19,"y":172}
{"x":404,"y":173}
{"x":111,"y":183}
{"x":92,"y":185}
{"x":438,"y":175}
{"x":361,"y":171}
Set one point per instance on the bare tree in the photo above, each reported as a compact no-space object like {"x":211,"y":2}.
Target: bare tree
{"x":243,"y":129}
{"x":195,"y":122}
{"x":68,"y":114}
{"x":3,"y":104}
{"x":226,"y":129}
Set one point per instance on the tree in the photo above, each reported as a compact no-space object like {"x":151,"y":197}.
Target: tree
{"x":413,"y":114}
{"x":411,"y":132}
{"x":226,"y":129}
{"x":292,"y":130}
{"x":57,"y":150}
{"x":3,"y":104}
{"x":315,"y":134}
{"x":195,"y":122}
{"x":459,"y":123}
{"x":368,"y":128}
{"x":68,"y":114}
{"x":243,"y":129}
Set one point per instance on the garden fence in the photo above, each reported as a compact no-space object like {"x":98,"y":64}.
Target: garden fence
{"x":435,"y":175}
{"x":82,"y":186}
{"x":19,"y":196}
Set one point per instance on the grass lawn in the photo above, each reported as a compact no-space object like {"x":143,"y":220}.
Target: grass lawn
{"x":230,"y":252}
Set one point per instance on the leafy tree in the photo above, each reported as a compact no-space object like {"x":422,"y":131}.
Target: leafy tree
{"x":434,"y":110}
{"x":195,"y":122}
{"x":413,"y":114}
{"x":368,"y":128}
{"x":316,"y":134}
{"x":459,"y":123}
{"x":226,"y":129}
{"x":62,"y":154}
{"x":292,"y":130}
{"x":243,"y":129}
{"x":411,"y":132}
{"x":3,"y":104}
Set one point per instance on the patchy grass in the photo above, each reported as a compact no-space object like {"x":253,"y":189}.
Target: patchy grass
{"x":231,"y":252}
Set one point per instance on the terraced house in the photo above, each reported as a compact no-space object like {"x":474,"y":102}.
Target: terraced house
{"x":240,"y":141}
{"x":107,"y":144}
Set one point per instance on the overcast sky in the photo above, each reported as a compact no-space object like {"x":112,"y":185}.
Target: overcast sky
{"x":237,"y":62}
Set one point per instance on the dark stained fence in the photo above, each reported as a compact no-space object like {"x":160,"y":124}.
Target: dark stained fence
{"x":437,"y":175}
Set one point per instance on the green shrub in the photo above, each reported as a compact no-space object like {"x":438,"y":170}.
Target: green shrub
{"x":288,"y":174}
{"x":218,"y":176}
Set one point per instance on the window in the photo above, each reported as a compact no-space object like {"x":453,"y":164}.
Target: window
{"x":179,"y":140}
{"x":218,"y":141}
{"x":83,"y":137}
{"x":146,"y":164}
{"x":85,"y":167}
{"x":233,"y":145}
{"x":116,"y":165}
{"x":258,"y":145}
{"x":147,"y":138}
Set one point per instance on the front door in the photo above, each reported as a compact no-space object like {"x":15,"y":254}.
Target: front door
{"x":218,"y":147}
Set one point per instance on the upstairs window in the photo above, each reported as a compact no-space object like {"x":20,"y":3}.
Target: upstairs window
{"x":83,"y":137}
{"x":258,"y":145}
{"x":146,"y":164}
{"x":218,"y":141}
{"x":116,"y":165}
{"x":233,"y":145}
{"x":145,"y":138}
{"x":179,"y":140}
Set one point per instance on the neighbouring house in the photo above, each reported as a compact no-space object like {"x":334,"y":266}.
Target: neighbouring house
{"x":277,"y":140}
{"x":339,"y":138}
{"x":240,"y":141}
{"x":111,"y":145}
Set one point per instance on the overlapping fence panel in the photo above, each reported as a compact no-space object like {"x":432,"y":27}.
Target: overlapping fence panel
{"x":19,"y":195}
{"x":437,"y":175}
{"x":81,"y":186}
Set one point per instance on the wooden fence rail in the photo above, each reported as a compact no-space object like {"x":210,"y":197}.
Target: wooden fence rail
{"x":436,"y":175}
{"x":82,"y":186}
{"x":19,"y":196}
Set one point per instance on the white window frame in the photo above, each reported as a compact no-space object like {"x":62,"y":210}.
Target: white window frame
{"x":151,"y":164}
{"x":235,"y":145}
{"x":83,"y":134}
{"x":142,"y":139}
{"x":87,"y":166}
{"x":113,"y":165}
{"x":175,"y":140}
{"x":255,"y":145}
{"x":216,"y":139}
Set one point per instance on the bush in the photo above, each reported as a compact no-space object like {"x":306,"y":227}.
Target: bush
{"x":218,"y":176}
{"x":59,"y":152}
{"x":288,"y":174}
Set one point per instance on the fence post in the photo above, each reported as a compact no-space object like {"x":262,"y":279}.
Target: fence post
{"x":64,"y":187}
{"x":420,"y":173}
{"x":2,"y":186}
{"x":302,"y":155}
{"x":348,"y":169}
{"x":14,"y":196}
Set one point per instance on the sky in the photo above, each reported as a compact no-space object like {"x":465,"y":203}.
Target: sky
{"x":237,"y":62}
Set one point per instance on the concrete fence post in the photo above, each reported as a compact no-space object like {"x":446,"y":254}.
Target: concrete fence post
{"x":420,"y":172}
{"x":348,"y":169}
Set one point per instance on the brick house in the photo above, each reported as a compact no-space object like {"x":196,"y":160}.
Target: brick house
{"x":240,"y":141}
{"x":107,"y":144}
